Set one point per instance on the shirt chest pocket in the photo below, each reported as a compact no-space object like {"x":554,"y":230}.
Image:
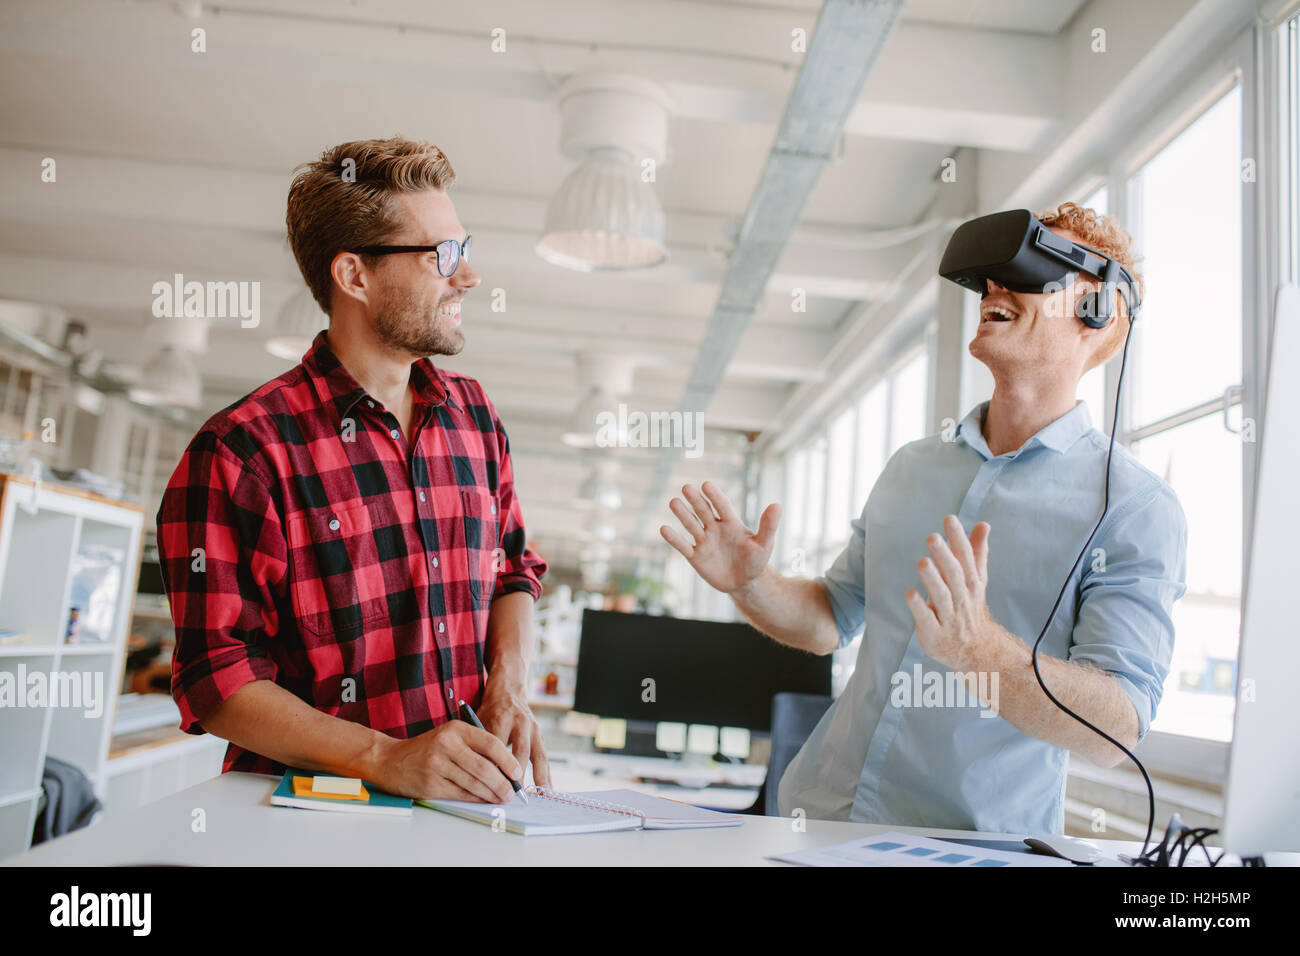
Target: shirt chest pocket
{"x":336,"y":575}
{"x":480,"y":544}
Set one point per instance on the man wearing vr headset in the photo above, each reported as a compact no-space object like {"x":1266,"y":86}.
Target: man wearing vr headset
{"x":1026,"y":469}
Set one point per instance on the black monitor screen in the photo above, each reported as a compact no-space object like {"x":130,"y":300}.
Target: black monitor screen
{"x":151,"y":581}
{"x":704,"y":672}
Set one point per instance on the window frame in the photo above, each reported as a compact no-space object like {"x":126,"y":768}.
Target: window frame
{"x":1241,"y":62}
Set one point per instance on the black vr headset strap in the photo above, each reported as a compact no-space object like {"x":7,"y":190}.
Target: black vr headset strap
{"x":1094,"y":309}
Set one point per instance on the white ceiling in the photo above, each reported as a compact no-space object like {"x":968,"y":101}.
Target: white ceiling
{"x":172,"y":161}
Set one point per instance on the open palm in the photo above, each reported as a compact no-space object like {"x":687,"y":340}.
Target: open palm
{"x":719,"y":547}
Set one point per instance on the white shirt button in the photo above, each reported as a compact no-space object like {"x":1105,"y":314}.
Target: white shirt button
{"x":435,"y":562}
{"x":494,"y":507}
{"x":441,"y":627}
{"x":395,"y":433}
{"x":422,"y":496}
{"x":334,"y":524}
{"x":369,"y":403}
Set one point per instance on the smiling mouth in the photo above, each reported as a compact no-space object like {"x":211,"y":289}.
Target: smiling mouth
{"x":997,"y":313}
{"x":450,"y":310}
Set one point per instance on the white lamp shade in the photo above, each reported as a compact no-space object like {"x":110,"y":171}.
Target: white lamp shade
{"x":296,"y":325}
{"x":584,"y":427}
{"x":168,"y":379}
{"x":604,"y":217}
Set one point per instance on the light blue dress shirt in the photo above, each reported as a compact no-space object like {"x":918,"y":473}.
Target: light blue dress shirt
{"x":876,"y":756}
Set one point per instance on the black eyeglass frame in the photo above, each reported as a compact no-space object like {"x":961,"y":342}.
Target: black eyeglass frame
{"x":460,"y":250}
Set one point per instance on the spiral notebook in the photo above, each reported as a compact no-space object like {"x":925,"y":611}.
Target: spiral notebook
{"x":553,"y":812}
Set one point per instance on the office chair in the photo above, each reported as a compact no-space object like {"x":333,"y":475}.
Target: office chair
{"x":794,"y":716}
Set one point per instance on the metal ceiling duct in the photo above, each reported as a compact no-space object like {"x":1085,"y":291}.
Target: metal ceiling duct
{"x":841,"y":53}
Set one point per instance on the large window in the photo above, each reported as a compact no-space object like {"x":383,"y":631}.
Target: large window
{"x":1183,"y":383}
{"x":828,"y":477}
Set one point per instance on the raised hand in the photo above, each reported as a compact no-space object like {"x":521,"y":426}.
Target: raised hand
{"x":719,"y":547}
{"x":952,"y":623}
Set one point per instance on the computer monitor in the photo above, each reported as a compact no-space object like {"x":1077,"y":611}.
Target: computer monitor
{"x":1262,"y":797}
{"x":702,"y":672}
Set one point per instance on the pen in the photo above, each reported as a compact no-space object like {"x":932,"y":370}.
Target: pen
{"x":467,"y":714}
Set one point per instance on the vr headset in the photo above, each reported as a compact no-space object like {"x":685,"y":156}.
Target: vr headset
{"x":1018,"y":252}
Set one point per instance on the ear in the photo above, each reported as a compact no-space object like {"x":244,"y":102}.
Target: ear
{"x":351,"y":278}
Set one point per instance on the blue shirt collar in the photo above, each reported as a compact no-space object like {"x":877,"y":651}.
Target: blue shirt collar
{"x":1058,"y":436}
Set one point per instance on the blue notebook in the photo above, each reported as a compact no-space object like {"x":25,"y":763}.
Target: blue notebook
{"x":377,"y":801}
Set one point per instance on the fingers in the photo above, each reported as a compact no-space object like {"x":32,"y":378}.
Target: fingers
{"x":703,"y":510}
{"x":526,"y":745}
{"x":694,"y":527}
{"x":979,"y":539}
{"x":490,"y":761}
{"x":490,"y":746}
{"x":541,"y":766}
{"x":488,"y":780}
{"x":926,"y":622}
{"x":519,"y":742}
{"x":767,"y":523}
{"x":721,"y":504}
{"x":949,"y":568}
{"x":677,"y":540}
{"x":940,"y":595}
{"x":961,"y":548}
{"x":454,"y":791}
{"x":468,"y":782}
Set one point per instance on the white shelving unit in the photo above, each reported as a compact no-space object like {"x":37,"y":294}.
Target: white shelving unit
{"x":42,"y":528}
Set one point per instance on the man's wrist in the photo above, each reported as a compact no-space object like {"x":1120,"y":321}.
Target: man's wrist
{"x":748,"y":592}
{"x":506,"y":679}
{"x":995,"y":649}
{"x":376,"y":758}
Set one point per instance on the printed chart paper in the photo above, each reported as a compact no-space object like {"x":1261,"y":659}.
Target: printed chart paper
{"x":903,"y":849}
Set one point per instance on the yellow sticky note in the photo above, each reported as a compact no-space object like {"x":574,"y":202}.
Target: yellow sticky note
{"x":611,"y":733}
{"x":580,"y":725}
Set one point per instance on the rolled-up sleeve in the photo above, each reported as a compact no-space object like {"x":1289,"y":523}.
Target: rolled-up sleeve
{"x":845,"y":583}
{"x":221,"y":548}
{"x":1131,"y":579}
{"x":518,"y":567}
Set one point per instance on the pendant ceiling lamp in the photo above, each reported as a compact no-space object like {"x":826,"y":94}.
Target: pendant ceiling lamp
{"x":606,"y":214}
{"x":296,"y":326}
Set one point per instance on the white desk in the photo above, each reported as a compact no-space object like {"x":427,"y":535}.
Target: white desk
{"x":593,"y":771}
{"x":243,"y":829}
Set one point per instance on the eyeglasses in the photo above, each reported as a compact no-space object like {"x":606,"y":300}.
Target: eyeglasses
{"x":450,"y":252}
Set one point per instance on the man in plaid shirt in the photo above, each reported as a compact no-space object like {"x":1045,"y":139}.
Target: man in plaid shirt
{"x":342,"y":548}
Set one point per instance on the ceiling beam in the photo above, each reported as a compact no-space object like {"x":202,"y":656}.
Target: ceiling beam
{"x":720,"y":66}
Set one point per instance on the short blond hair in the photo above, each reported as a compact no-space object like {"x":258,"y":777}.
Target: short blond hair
{"x":344,"y":200}
{"x":1107,"y":236}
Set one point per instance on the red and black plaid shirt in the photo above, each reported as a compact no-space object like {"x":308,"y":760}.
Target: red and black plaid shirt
{"x":348,"y":566}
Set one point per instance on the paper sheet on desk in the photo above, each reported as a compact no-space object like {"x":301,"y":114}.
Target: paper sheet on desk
{"x":903,"y":849}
